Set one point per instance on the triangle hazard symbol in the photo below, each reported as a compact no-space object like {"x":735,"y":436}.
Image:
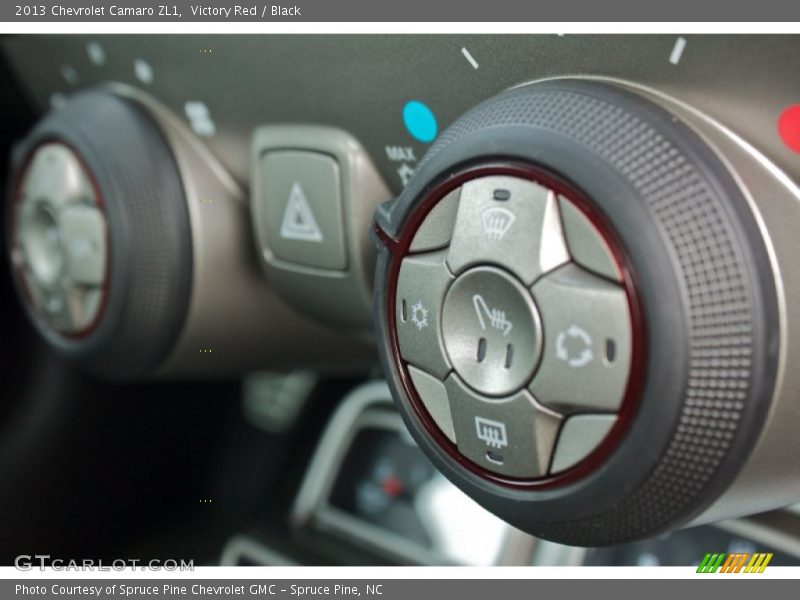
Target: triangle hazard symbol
{"x":298,"y":220}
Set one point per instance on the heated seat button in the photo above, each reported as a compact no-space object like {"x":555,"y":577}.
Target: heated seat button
{"x":509,"y":222}
{"x":491,"y":331}
{"x":511,"y":436}
{"x":421,"y":288}
{"x":587,"y":351}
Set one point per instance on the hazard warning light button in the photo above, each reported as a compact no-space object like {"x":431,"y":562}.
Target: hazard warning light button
{"x":302,"y":203}
{"x":313,"y":191}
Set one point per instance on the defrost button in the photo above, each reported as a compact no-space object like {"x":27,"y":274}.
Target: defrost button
{"x":510,"y":222}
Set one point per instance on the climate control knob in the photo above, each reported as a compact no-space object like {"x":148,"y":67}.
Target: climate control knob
{"x":61,"y":249}
{"x":100,"y":238}
{"x":577,"y":312}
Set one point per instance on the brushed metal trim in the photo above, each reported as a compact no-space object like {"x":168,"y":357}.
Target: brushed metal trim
{"x":233,"y":312}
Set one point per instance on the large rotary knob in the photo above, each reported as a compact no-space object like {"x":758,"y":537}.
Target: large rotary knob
{"x":577,"y":313}
{"x":100,"y":242}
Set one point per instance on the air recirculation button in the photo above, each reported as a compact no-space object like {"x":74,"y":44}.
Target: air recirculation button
{"x":587,"y":352}
{"x":530,"y":341}
{"x":509,"y":222}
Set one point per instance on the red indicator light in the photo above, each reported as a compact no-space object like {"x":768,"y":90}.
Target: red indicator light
{"x":392,"y":486}
{"x":789,"y":127}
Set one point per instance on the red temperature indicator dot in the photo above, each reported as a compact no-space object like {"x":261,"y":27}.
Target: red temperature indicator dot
{"x":789,"y":127}
{"x":392,"y":486}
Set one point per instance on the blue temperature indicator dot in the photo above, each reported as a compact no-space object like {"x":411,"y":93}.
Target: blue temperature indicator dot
{"x":420,"y":121}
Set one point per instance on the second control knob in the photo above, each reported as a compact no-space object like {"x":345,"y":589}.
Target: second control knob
{"x":100,"y":236}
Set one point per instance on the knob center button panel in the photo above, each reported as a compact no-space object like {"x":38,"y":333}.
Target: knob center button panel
{"x":60,"y":245}
{"x":512,"y":299}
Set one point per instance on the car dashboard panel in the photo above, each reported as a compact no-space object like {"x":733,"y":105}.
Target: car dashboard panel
{"x":465,"y":299}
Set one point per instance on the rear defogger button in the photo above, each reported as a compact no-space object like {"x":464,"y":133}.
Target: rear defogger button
{"x":511,"y":436}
